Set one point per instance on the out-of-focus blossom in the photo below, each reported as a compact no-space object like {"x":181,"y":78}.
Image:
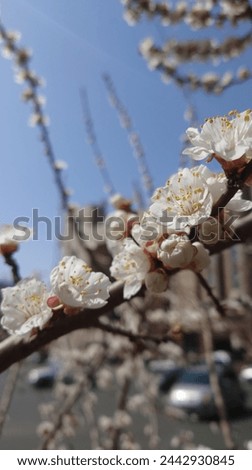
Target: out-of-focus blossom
{"x":60,"y":165}
{"x":157,"y":281}
{"x":10,"y":237}
{"x":38,"y":119}
{"x":119,"y":202}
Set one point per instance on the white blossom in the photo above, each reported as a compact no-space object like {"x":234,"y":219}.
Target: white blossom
{"x":217,"y":184}
{"x":38,"y":119}
{"x":232,"y":8}
{"x":201,"y":259}
{"x":184,"y":202}
{"x":60,"y":165}
{"x":226,"y":138}
{"x":130,"y":265}
{"x":238,"y":204}
{"x":148,"y":233}
{"x":118,"y":227}
{"x":120,"y":202}
{"x":176,"y":251}
{"x":76,"y":285}
{"x":24,"y":307}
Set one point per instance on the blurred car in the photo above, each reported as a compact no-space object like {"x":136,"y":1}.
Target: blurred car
{"x":46,"y":376}
{"x":192,"y":391}
{"x":167,"y":371}
{"x":222,"y":357}
{"x":245,"y":374}
{"x":42,"y":377}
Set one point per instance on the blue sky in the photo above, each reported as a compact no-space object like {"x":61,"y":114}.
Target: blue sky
{"x":73,"y":43}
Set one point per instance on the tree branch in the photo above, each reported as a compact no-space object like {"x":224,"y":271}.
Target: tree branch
{"x":214,"y":382}
{"x":208,"y":289}
{"x":133,"y":336}
{"x":15,"y":348}
{"x":14,"y":267}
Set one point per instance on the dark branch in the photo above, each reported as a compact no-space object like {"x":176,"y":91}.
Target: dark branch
{"x":16,"y":348}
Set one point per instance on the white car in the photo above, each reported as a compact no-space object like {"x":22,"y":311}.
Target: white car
{"x":192,"y":391}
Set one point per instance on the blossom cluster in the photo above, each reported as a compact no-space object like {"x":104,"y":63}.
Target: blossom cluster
{"x":168,"y":57}
{"x":28,"y":306}
{"x":172,"y":234}
{"x":25,"y":75}
{"x":200,"y":14}
{"x":174,"y":230}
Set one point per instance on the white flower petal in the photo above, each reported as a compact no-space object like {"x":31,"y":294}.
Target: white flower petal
{"x":24,"y":307}
{"x":74,"y":283}
{"x":131,"y":287}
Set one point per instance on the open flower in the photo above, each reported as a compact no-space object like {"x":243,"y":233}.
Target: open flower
{"x":147,"y":233}
{"x":131,"y":265}
{"x":77,"y":286}
{"x":217,"y":185}
{"x":184,"y":202}
{"x":228,"y":139}
{"x":24,"y":307}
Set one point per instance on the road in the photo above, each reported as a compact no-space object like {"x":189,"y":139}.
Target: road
{"x":20,"y":427}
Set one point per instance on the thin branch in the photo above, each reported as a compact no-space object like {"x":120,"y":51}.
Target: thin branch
{"x":209,"y":291}
{"x":232,"y":190}
{"x":215,"y":386}
{"x":92,"y":140}
{"x":16,"y":348}
{"x":14,"y":267}
{"x":7,"y":394}
{"x":33,"y":83}
{"x":63,"y":410}
{"x":242,"y":231}
{"x":134,"y":337}
{"x":133,"y":136}
{"x":121,"y":406}
{"x":169,"y":15}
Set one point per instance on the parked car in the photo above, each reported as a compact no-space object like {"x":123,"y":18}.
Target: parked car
{"x":46,"y":376}
{"x":192,"y":392}
{"x":245,"y":374}
{"x":42,"y":377}
{"x":167,"y":371}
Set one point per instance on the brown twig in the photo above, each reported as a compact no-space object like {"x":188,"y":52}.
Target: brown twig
{"x":15,"y":348}
{"x":14,"y":267}
{"x":232,"y":190}
{"x":33,"y":84}
{"x":121,"y":406}
{"x":63,"y":410}
{"x":215,"y":386}
{"x":7,"y":393}
{"x":134,"y":337}
{"x":209,"y":291}
{"x":92,"y":140}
